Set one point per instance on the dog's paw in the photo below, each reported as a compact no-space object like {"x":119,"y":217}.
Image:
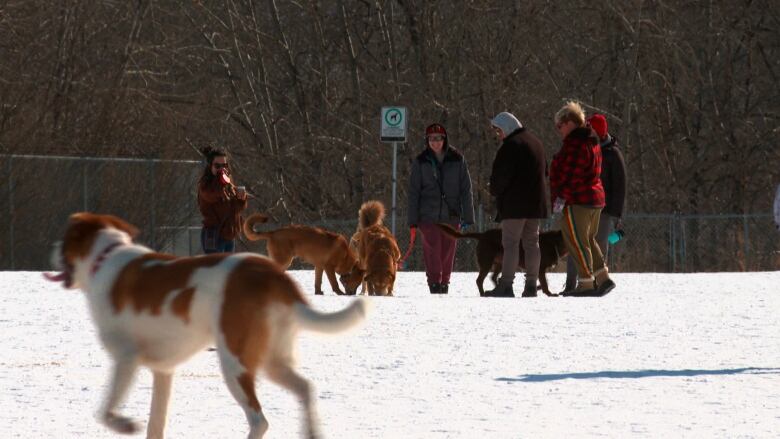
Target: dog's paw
{"x":121,"y":424}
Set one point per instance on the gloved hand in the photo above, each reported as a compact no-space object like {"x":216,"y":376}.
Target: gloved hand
{"x":559,"y":205}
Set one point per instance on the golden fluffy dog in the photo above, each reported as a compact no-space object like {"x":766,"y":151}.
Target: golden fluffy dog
{"x":377,"y":249}
{"x":157,"y":310}
{"x":327,"y":251}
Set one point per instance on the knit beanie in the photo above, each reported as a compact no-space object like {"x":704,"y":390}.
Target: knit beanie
{"x":599,"y":124}
{"x":435,"y":128}
{"x":507,"y":122}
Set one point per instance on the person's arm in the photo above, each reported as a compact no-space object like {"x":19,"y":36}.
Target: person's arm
{"x":415,"y":183}
{"x":618,"y":180}
{"x":210,"y":193}
{"x":467,"y":200}
{"x":501,"y":175}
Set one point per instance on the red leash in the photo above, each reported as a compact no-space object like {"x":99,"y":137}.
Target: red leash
{"x":412,"y":235}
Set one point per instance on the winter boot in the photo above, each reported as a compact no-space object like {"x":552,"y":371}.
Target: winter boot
{"x":435,"y":288}
{"x":569,"y":286}
{"x":503,"y":289}
{"x":444,"y":288}
{"x":530,"y":288}
{"x":586,"y":287}
{"x":603,"y":282}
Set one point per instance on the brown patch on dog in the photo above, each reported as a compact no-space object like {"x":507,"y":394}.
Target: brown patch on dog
{"x":181,"y":304}
{"x":82,"y":231}
{"x":326,"y":250}
{"x":490,"y":253}
{"x":145,"y":282}
{"x":255,"y":285}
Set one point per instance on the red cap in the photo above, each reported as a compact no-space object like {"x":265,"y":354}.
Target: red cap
{"x":435,"y":129}
{"x":599,"y":124}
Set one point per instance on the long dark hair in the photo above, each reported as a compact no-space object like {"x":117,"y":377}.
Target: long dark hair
{"x":210,"y":153}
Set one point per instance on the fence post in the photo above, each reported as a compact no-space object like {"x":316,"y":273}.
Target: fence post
{"x":11,"y":213}
{"x":747,"y":240}
{"x":153,"y":218}
{"x":683,"y":253}
{"x":84,"y":192}
{"x":672,"y":244}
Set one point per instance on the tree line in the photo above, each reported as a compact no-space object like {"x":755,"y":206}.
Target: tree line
{"x":293,"y":89}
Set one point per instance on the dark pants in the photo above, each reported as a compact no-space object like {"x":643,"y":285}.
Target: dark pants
{"x":212,"y":242}
{"x":438,"y":253}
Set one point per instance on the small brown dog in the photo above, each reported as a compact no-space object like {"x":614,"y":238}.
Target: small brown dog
{"x":490,"y":253}
{"x":327,"y":251}
{"x":377,"y":249}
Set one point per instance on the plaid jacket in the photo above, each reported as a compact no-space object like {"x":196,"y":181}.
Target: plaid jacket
{"x":575,"y":171}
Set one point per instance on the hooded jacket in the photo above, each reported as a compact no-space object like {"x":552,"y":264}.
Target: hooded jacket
{"x":613,"y":177}
{"x":220,"y":209}
{"x":519,"y":177}
{"x":440,"y":191}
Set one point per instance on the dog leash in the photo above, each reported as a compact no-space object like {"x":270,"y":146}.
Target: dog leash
{"x":412,"y":235}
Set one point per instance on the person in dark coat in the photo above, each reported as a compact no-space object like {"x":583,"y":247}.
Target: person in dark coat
{"x":439,"y":192}
{"x":518,"y":181}
{"x":577,"y":192}
{"x":613,"y":179}
{"x":220,"y":204}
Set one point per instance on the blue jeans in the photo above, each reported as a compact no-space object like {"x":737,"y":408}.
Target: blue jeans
{"x":212,"y":242}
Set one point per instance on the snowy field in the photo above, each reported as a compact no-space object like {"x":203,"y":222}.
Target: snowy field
{"x":663,"y":356}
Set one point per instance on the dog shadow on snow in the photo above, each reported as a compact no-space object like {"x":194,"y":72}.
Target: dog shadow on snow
{"x":650,"y":373}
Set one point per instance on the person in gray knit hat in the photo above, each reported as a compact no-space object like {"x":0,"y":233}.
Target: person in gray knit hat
{"x":518,"y":181}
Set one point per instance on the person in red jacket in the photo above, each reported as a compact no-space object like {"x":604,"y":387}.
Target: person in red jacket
{"x":220,"y":203}
{"x":577,"y":192}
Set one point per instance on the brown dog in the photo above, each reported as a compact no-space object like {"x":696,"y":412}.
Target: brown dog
{"x":327,"y":251}
{"x":377,"y":249}
{"x":490,"y":253}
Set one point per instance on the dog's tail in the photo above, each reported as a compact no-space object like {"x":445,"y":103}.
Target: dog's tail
{"x":371,"y":213}
{"x":455,"y":233}
{"x":330,"y":323}
{"x":249,"y":223}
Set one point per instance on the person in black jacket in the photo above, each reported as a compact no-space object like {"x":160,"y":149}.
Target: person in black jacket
{"x":439,"y":192}
{"x":518,"y":181}
{"x":613,"y":178}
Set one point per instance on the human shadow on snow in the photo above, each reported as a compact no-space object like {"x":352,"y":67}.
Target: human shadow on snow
{"x":640,"y":374}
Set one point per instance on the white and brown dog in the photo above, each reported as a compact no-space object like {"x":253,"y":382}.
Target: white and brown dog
{"x":158,"y":310}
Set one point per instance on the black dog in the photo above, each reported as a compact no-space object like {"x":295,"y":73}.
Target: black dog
{"x":490,"y":253}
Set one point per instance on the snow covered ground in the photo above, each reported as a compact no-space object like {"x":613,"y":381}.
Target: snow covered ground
{"x":663,"y":356}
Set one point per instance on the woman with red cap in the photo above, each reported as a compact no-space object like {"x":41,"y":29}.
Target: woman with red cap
{"x":220,"y":203}
{"x":439,"y":192}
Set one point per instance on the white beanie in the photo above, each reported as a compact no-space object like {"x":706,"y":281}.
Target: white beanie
{"x":507,"y":122}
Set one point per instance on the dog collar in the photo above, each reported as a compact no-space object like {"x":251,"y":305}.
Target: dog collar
{"x":102,"y":257}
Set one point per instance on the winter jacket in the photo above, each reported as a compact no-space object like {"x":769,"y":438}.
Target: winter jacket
{"x":220,"y":209}
{"x":613,"y":177}
{"x":519,"y":177}
{"x":575,"y":171}
{"x":440,"y":191}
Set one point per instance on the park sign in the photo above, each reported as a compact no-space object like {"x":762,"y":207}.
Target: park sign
{"x":394,"y":123}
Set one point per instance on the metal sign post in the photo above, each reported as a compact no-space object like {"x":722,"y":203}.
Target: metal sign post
{"x":394,"y":123}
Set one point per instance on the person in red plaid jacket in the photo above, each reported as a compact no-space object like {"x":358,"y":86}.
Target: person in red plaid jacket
{"x":577,"y":192}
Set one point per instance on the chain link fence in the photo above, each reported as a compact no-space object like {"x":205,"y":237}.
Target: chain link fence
{"x":158,"y":196}
{"x":652,"y":243}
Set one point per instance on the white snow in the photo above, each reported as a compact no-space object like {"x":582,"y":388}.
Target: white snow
{"x":663,"y":356}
